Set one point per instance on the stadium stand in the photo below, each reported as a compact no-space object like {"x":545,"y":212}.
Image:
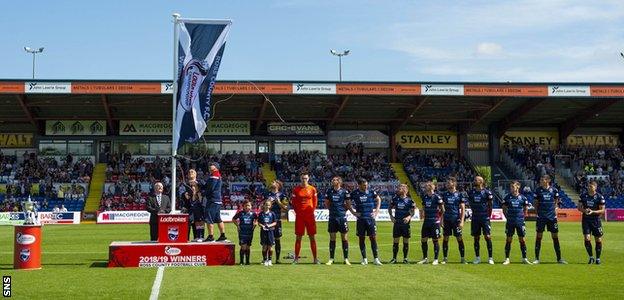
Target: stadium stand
{"x":52,"y":182}
{"x":575,"y":166}
{"x":438,"y":167}
{"x":129,"y":180}
{"x":350,"y":165}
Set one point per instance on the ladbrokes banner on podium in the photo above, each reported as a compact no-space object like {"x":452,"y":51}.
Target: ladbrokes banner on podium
{"x":200,"y":48}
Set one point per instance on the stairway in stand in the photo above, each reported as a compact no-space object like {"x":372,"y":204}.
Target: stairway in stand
{"x":399,"y":171}
{"x":95,"y":188}
{"x":566,"y":188}
{"x":268,"y":174}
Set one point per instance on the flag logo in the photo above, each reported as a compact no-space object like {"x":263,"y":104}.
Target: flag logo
{"x":200,"y":47}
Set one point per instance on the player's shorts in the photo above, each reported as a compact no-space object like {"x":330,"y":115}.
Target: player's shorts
{"x":305,"y":223}
{"x":277,"y":230}
{"x":592,"y":226}
{"x":451,"y":227}
{"x":430,"y":230}
{"x":213,"y":213}
{"x":477,"y":227}
{"x":401,"y":230}
{"x":197,"y":213}
{"x":551,"y":225}
{"x":245,"y":239}
{"x":267,"y":238}
{"x":337,"y":225}
{"x":366,"y":227}
{"x":511,"y":228}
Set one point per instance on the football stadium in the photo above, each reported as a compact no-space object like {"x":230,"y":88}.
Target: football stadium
{"x":196,"y":187}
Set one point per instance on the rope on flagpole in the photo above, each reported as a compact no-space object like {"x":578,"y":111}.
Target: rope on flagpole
{"x":214,"y":113}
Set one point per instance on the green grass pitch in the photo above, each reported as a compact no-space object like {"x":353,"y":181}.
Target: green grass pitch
{"x":75,"y":256}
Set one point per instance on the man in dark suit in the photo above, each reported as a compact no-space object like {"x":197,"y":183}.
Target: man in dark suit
{"x":157,"y":204}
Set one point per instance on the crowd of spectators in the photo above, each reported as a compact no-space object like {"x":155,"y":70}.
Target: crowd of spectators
{"x":350,"y":165}
{"x":44,"y":179}
{"x":603,"y":164}
{"x":437,"y":167}
{"x":130,"y":179}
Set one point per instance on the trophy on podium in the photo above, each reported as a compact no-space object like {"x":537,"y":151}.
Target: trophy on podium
{"x":30,"y":212}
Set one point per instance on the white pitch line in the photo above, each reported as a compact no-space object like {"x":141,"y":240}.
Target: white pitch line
{"x":157,"y":282}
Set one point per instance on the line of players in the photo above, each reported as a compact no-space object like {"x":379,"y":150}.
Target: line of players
{"x":447,"y":208}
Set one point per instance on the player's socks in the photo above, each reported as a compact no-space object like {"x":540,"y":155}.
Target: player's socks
{"x":462,"y":249}
{"x":247,"y":254}
{"x":210,"y":238}
{"x":345,"y":249}
{"x":507,"y":248}
{"x":405,"y":250}
{"x":488,"y":242}
{"x":278,"y":250}
{"x":313,"y":248}
{"x":200,"y":233}
{"x":373,"y":241}
{"x":523,"y":249}
{"x":445,"y":248}
{"x":395,"y":250}
{"x":332,"y":249}
{"x":477,"y":247}
{"x":538,"y":247}
{"x":270,"y":254}
{"x":297,"y":248}
{"x":264,"y":255}
{"x":557,"y":248}
{"x":588,"y":248}
{"x":425,"y":249}
{"x":362,"y":246}
{"x":242,"y":256}
{"x":436,"y":249}
{"x":598,"y":250}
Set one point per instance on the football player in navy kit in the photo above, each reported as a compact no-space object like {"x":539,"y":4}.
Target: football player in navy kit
{"x":279,"y":204}
{"x":592,"y":205}
{"x":480,"y":200}
{"x":404,"y":210}
{"x":546,"y":202}
{"x":267,"y":220}
{"x":335,"y":202}
{"x":515,"y":207}
{"x":454,"y":213}
{"x":366,"y":203}
{"x":245,"y":221}
{"x":433,"y":207}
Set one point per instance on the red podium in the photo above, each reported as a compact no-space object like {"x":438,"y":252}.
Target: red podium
{"x":27,"y":247}
{"x":173,"y":228}
{"x":172,"y":249}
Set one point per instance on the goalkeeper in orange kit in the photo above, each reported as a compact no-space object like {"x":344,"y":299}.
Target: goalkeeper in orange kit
{"x":304,"y":201}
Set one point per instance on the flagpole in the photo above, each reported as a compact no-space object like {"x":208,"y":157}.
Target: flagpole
{"x":174,"y":148}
